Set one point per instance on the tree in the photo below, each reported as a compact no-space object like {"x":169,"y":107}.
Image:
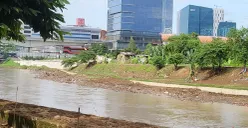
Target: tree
{"x":132,"y":46}
{"x":176,"y":59}
{"x":158,"y":62}
{"x":83,"y":57}
{"x":99,"y":49}
{"x":69,"y":62}
{"x":214,"y":53}
{"x":238,"y":41}
{"x":41,"y":15}
{"x":5,"y":48}
{"x":149,"y":49}
{"x":86,"y":56}
{"x":186,"y":45}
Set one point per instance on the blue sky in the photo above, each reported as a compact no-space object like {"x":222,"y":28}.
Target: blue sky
{"x":95,"y":11}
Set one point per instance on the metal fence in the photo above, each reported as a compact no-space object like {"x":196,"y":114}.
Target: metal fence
{"x":44,"y":55}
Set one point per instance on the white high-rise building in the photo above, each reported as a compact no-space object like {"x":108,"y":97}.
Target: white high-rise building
{"x":218,"y":17}
{"x":178,"y":22}
{"x":26,"y":30}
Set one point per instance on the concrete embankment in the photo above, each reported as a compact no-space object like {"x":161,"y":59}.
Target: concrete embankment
{"x":206,"y":89}
{"x":56,"y":64}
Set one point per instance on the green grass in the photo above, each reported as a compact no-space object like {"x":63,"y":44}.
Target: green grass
{"x":116,"y":70}
{"x":9,"y":63}
{"x":183,"y":82}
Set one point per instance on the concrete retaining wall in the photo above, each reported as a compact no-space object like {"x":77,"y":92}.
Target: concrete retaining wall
{"x":39,"y":63}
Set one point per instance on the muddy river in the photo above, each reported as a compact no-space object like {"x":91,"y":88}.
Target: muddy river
{"x":157,"y":110}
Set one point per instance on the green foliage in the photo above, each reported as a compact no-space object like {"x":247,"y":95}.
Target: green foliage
{"x":134,"y":60}
{"x":41,"y":15}
{"x":158,"y":62}
{"x":99,"y":49}
{"x":9,"y":63}
{"x":5,"y":48}
{"x":176,"y":59}
{"x":185,"y":44}
{"x":149,"y":49}
{"x":70,"y":62}
{"x":238,"y":42}
{"x":113,"y":54}
{"x":83,"y":57}
{"x":132,"y":46}
{"x":86,"y":56}
{"x":215,"y":54}
{"x":33,"y":58}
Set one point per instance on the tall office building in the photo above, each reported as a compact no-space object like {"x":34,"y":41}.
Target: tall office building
{"x":178,"y":22}
{"x":196,"y":19}
{"x":143,"y":20}
{"x":224,"y":28}
{"x":218,"y":17}
{"x":167,"y":16}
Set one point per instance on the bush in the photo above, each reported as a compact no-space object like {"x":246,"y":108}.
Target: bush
{"x":86,"y":56}
{"x":70,"y":62}
{"x":83,"y":57}
{"x":158,"y":62}
{"x":113,"y":54}
{"x":134,"y":60}
{"x":33,"y":58}
{"x":99,"y":49}
{"x":176,"y":59}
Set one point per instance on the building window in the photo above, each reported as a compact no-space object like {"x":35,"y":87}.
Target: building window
{"x":95,"y":36}
{"x":27,"y":31}
{"x":27,"y":27}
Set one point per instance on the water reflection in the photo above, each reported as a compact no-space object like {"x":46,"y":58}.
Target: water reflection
{"x":135,"y":107}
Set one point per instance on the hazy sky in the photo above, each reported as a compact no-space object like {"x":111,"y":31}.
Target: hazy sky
{"x":95,"y":11}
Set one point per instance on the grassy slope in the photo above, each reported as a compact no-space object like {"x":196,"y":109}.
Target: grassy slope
{"x":144,"y":73}
{"x":10,"y":63}
{"x":132,"y":72}
{"x":127,"y":71}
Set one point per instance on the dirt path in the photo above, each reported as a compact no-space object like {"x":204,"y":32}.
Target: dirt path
{"x":206,"y":89}
{"x":190,"y":94}
{"x":43,"y":117}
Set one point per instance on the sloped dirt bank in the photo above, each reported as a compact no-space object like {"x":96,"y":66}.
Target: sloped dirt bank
{"x":128,"y":86}
{"x":42,"y":117}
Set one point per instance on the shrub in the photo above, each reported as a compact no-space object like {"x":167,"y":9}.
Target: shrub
{"x":99,"y":49}
{"x":83,"y":57}
{"x":158,"y":62}
{"x":69,"y":62}
{"x":134,"y":60}
{"x":86,"y":56}
{"x":176,"y":59}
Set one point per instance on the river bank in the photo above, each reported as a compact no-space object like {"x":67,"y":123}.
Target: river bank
{"x":120,"y":85}
{"x":106,"y":76}
{"x":44,"y":117}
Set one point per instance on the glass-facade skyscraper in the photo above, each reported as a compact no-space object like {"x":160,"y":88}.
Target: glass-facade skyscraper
{"x":225,"y":27}
{"x":167,"y":16}
{"x":196,"y":19}
{"x":143,"y":20}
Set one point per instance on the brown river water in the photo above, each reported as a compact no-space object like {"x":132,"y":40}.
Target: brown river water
{"x":157,"y":110}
